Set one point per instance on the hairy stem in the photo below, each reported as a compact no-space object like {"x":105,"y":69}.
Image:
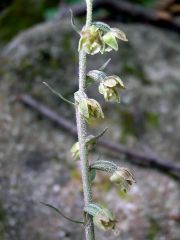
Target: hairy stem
{"x":82,"y":134}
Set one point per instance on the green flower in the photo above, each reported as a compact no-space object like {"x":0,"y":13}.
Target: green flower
{"x":123,"y":178}
{"x":100,"y":37}
{"x":104,"y":220}
{"x":109,"y":88}
{"x":91,"y":110}
{"x":91,"y":40}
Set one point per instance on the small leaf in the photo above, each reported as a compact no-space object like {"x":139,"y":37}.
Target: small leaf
{"x":105,"y":65}
{"x":62,"y":214}
{"x":96,"y":75}
{"x":91,"y":139}
{"x":104,"y":165}
{"x":92,"y":209}
{"x":58,"y":94}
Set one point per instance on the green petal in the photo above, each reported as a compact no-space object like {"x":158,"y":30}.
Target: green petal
{"x":110,"y":40}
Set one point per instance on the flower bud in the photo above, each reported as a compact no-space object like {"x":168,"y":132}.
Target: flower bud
{"x":90,"y":143}
{"x":104,"y":220}
{"x":75,"y":150}
{"x":109,"y":88}
{"x":124,"y":178}
{"x":91,"y":40}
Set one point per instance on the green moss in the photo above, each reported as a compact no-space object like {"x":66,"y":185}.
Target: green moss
{"x":152,"y":119}
{"x":153,"y":229}
{"x":128,"y":126}
{"x":135,"y":70}
{"x":133,"y":126}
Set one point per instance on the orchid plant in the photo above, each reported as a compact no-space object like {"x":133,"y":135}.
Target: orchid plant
{"x":95,"y":38}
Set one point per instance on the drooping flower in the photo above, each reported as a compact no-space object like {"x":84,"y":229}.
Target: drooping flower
{"x":94,"y":110}
{"x":91,"y":40}
{"x":100,"y":37}
{"x":109,"y":88}
{"x":89,"y":108}
{"x":104,"y":220}
{"x":124,"y":178}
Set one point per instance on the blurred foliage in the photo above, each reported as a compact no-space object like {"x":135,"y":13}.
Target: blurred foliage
{"x":4,"y":4}
{"x":22,"y":14}
{"x":153,"y":229}
{"x":144,"y":2}
{"x":18,"y":15}
{"x":73,"y":1}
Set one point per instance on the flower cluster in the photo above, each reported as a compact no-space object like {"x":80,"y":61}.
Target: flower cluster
{"x":100,"y":37}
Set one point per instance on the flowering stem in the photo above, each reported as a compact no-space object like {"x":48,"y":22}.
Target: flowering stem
{"x":82,"y":134}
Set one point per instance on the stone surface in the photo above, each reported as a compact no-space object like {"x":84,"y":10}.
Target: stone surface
{"x":35,"y":163}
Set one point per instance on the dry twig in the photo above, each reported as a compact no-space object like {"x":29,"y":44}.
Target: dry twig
{"x":134,"y":156}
